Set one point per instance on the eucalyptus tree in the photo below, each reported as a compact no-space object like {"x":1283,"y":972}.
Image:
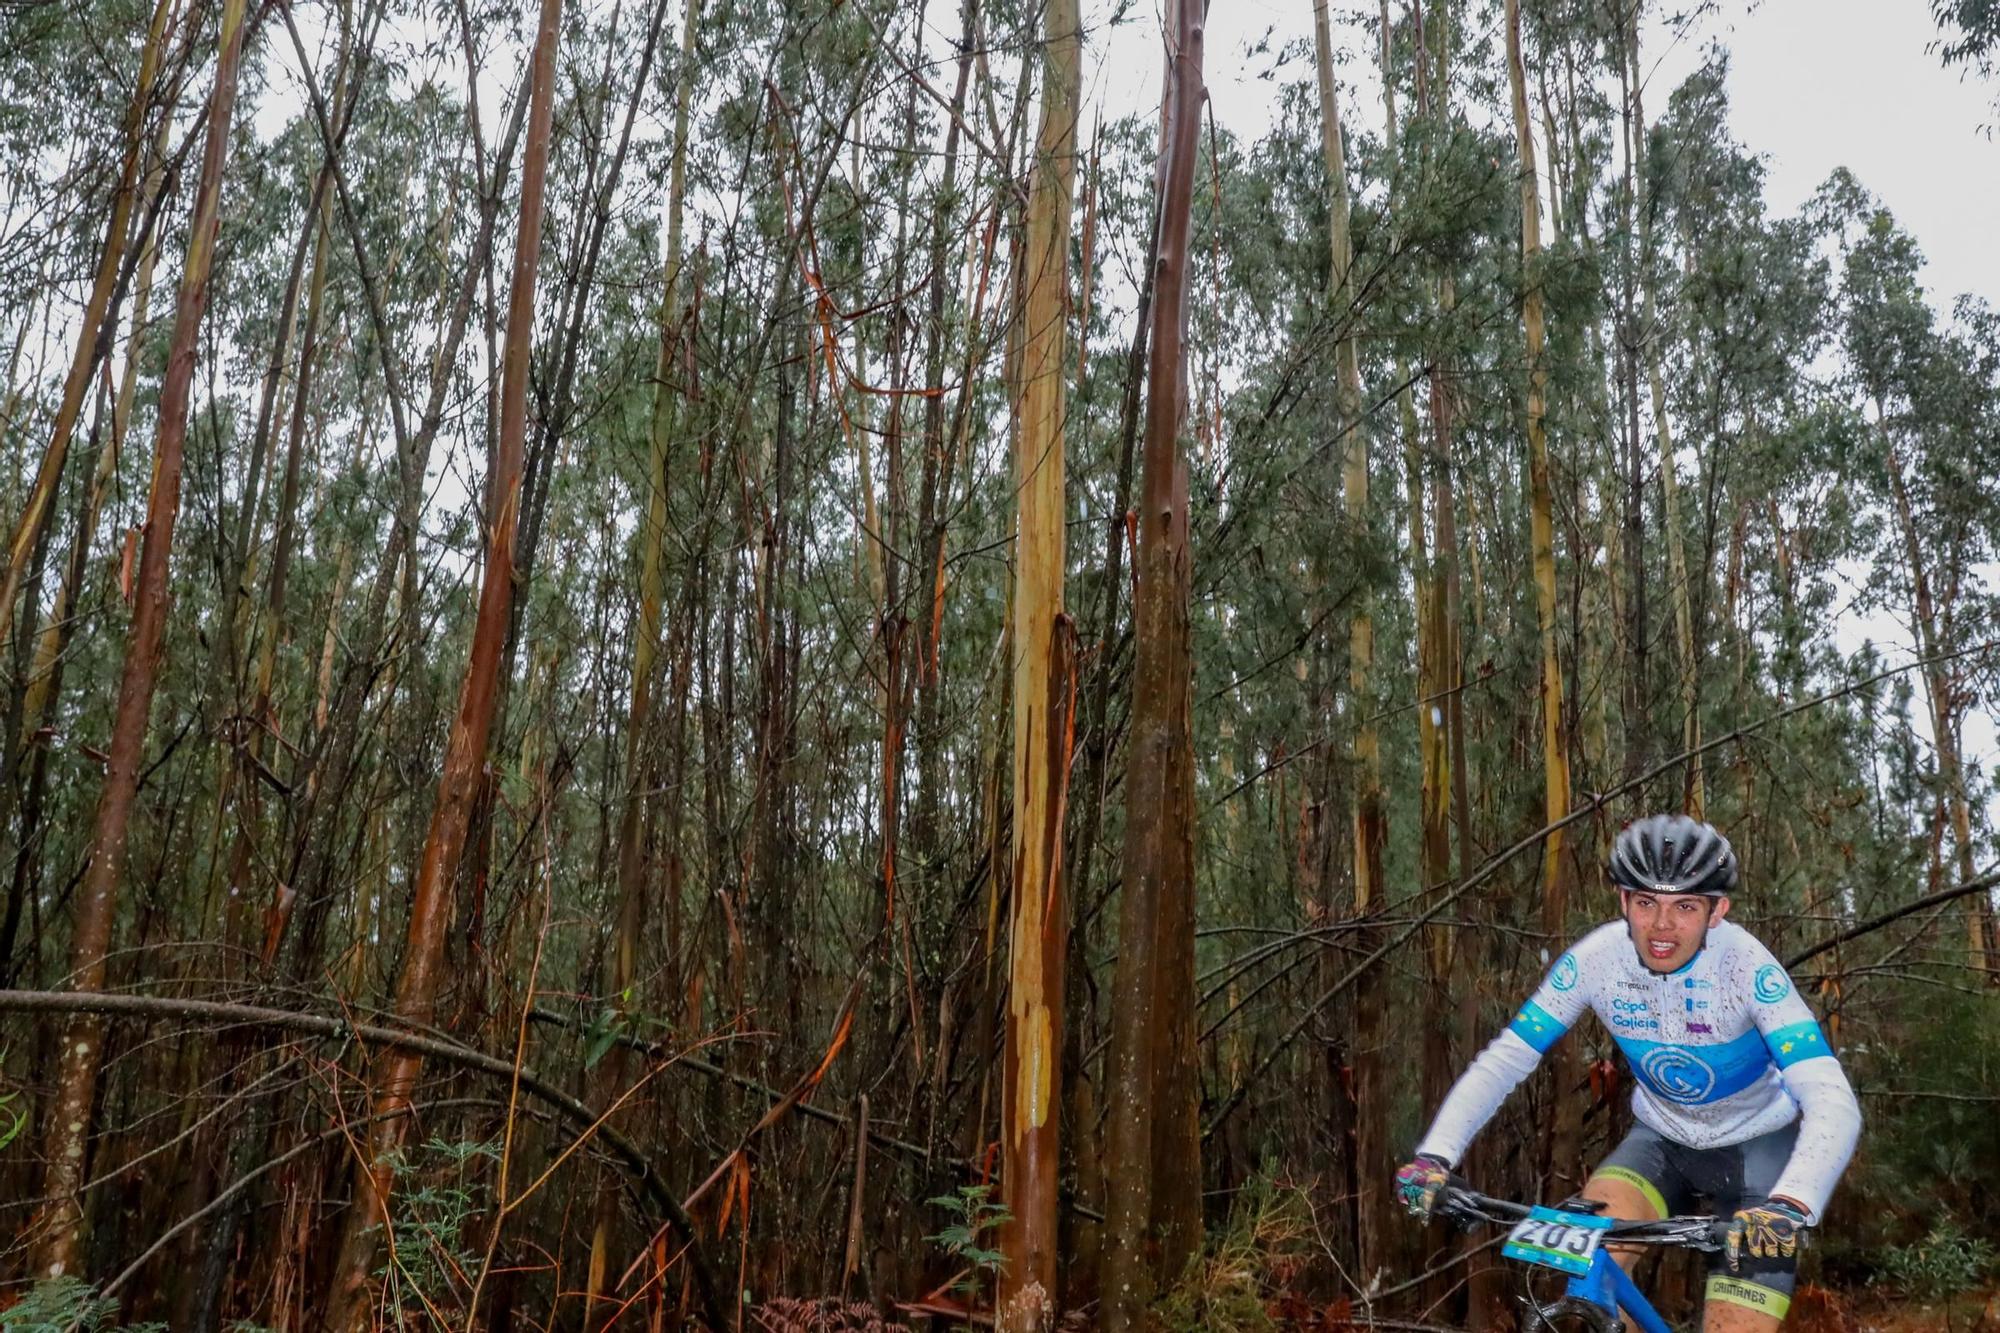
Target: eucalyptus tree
{"x":1969,"y":35}
{"x":1927,"y":397}
{"x":1043,"y":672}
{"x":1153,"y":1166}
{"x":419,"y":977}
{"x":72,"y":1112}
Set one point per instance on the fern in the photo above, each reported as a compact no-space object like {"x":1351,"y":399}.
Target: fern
{"x":67,"y":1305}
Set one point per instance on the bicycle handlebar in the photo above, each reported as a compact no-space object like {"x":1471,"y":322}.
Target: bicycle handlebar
{"x":1465,"y":1206}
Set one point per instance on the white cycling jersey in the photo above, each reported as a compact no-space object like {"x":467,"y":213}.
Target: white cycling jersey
{"x":1722,"y":1050}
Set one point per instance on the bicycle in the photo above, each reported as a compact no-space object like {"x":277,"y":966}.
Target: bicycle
{"x":1572,"y":1243}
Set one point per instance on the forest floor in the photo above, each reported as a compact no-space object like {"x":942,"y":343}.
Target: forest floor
{"x":1827,"y":1312}
{"x":1968,"y":1314}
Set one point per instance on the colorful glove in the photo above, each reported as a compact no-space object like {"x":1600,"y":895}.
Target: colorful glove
{"x":1417,"y":1184}
{"x":1769,"y":1231}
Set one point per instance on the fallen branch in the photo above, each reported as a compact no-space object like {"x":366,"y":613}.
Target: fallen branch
{"x":810,"y":1110}
{"x":251,"y":1177}
{"x":1590,"y":807}
{"x":1984,"y":884}
{"x":647,"y":1179}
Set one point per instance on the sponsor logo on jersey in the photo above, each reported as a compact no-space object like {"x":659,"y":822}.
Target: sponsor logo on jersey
{"x":1771,"y":985}
{"x":1677,"y":1074}
{"x":1702,"y":1028}
{"x":1697,"y":983}
{"x":1633,"y":985}
{"x":1564,"y":976}
{"x":1629,"y":1006}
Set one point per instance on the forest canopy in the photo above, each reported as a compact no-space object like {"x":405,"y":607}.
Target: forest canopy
{"x":737,"y":662}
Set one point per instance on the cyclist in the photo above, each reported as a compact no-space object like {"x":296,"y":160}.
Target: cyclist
{"x":1736,"y":1093}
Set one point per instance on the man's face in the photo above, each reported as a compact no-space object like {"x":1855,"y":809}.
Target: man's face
{"x":1668,"y":929}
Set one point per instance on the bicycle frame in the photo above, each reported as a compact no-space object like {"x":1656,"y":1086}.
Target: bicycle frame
{"x":1608,"y":1289}
{"x":1603,"y":1290}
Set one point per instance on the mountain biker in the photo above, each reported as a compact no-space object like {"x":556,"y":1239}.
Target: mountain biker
{"x":1737,"y":1095}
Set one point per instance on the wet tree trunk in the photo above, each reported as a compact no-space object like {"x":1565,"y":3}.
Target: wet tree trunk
{"x":1637,"y":685}
{"x":1564,"y":1145}
{"x":634,"y":872}
{"x":1153,"y":1162}
{"x":42,"y":688}
{"x":58,"y":1248}
{"x":1678,"y":588}
{"x":1370,"y":820}
{"x":92,"y":335}
{"x":1944,"y":712}
{"x":1044,"y":693}
{"x":420,"y":980}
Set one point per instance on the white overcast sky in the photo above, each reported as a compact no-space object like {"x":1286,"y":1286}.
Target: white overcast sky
{"x":1814,"y":84}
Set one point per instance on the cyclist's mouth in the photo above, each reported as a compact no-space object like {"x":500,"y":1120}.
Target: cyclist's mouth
{"x":1662,"y":949}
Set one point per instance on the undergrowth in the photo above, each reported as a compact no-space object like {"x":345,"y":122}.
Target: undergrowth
{"x":1229,"y":1286}
{"x":67,"y":1305}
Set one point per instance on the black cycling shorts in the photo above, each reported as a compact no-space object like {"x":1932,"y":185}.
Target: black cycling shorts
{"x":1673,"y":1177}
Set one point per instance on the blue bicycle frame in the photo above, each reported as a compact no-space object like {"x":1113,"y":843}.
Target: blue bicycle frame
{"x":1601,"y":1290}
{"x":1607,"y":1287}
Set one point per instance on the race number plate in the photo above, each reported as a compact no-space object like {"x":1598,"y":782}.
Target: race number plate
{"x":1557,"y":1239}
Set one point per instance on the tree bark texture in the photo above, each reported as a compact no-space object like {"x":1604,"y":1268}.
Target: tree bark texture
{"x":58,"y":1247}
{"x":634,"y":872}
{"x":1556,"y":872}
{"x":421,"y":979}
{"x":1044,"y":693}
{"x":1153,"y":1218}
{"x":91,"y":336}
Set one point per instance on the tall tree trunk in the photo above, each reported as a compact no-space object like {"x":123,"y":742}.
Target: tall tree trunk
{"x":1367,"y":1158}
{"x":1044,"y":692}
{"x":420,"y":980}
{"x":92,"y":334}
{"x":1670,"y":518}
{"x":57,"y":1250}
{"x":1944,"y":712}
{"x":1638,"y":696}
{"x":1437,"y":620}
{"x":633,"y":870}
{"x":1564,"y":1144}
{"x":1153,"y":1218}
{"x":42,"y":687}
{"x":1087,"y":927}
{"x":928,"y":729}
{"x":321,"y":780}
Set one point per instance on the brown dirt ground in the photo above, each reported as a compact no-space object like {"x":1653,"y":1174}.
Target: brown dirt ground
{"x":1817,"y":1310}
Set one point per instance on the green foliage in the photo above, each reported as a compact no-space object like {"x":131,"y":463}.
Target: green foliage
{"x":1971,"y":31}
{"x":435,"y":1207}
{"x":1228,"y":1283}
{"x":968,"y":1238}
{"x":1792,"y":349}
{"x":67,"y":1305}
{"x":1944,"y":1263}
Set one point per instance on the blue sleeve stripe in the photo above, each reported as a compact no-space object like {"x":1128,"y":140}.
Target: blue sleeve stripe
{"x":1796,"y":1042}
{"x":1536,"y":1026}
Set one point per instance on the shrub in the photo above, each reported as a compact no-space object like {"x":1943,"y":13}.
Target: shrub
{"x":1941,"y":1265}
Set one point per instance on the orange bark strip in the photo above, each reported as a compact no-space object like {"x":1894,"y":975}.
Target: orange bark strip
{"x":420,"y":982}
{"x":1043,"y":691}
{"x":56,"y":1250}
